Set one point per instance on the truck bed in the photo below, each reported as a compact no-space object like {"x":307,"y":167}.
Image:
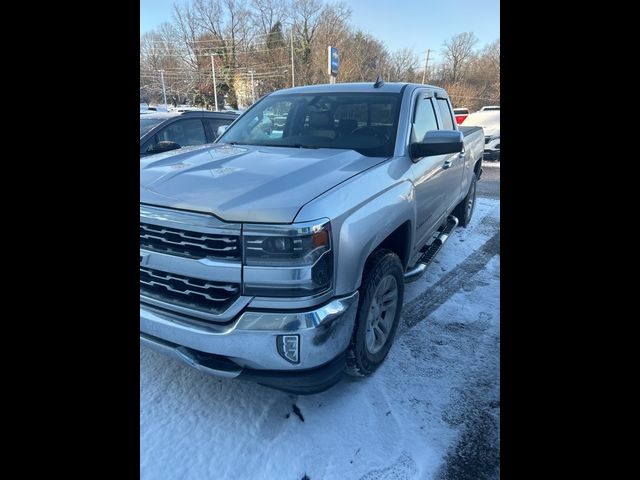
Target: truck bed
{"x":466,"y":131}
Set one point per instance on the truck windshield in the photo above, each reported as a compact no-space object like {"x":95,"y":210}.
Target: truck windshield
{"x":364,"y":122}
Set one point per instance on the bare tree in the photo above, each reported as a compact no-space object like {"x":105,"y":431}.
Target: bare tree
{"x":306,"y":19}
{"x":362,"y":59}
{"x":251,"y":38}
{"x":401,"y":66}
{"x":267,"y":13}
{"x":333,"y":30}
{"x":457,"y":53}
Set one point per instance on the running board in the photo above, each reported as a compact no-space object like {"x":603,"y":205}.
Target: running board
{"x":430,"y":251}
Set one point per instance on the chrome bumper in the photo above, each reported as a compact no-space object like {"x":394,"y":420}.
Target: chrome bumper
{"x":250,"y":340}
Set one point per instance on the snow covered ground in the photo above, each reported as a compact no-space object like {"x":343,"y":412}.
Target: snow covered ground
{"x":431,"y":411}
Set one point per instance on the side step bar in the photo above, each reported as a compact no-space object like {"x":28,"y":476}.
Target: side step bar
{"x":430,"y":251}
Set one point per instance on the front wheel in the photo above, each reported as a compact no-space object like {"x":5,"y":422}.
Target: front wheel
{"x":381,"y":296}
{"x":464,"y":210}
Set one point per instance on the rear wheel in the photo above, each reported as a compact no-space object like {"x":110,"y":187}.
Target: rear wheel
{"x":464,"y":210}
{"x":381,"y":296}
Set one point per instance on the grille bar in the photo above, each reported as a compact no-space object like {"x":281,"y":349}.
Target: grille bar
{"x":189,"y":244}
{"x":194,"y":293}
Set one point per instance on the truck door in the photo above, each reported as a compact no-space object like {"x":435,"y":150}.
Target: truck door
{"x":431,"y":176}
{"x":452,"y":181}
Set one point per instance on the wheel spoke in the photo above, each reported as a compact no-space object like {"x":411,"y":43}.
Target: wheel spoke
{"x":380,"y":291}
{"x":382,"y":327}
{"x":381,"y":314}
{"x":370,"y":338}
{"x":389,"y":297}
{"x":380,"y":335}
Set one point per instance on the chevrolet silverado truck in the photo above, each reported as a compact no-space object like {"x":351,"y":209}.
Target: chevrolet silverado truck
{"x":280,"y":255}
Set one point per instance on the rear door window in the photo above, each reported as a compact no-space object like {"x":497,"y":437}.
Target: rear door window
{"x":445,"y":114}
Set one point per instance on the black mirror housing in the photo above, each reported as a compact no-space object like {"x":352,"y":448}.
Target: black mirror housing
{"x":164,"y":146}
{"x":437,"y":142}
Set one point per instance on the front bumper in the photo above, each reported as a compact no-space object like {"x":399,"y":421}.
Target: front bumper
{"x":247,"y":347}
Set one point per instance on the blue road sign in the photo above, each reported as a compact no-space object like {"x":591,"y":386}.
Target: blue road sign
{"x":334,"y":61}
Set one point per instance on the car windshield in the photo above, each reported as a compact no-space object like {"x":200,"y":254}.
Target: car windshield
{"x":364,"y":122}
{"x":147,"y":124}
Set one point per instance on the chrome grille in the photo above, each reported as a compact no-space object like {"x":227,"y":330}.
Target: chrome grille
{"x":194,"y":293}
{"x":189,"y":244}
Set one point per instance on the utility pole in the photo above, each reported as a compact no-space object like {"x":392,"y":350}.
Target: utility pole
{"x":164,"y":93}
{"x":215,"y":90}
{"x":293,"y":75}
{"x":426,"y":64}
{"x":253,"y":91}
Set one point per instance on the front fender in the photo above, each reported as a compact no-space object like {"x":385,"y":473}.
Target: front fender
{"x":366,"y":228}
{"x":364,"y":211}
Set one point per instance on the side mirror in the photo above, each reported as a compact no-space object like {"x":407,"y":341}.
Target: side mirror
{"x":221,"y":130}
{"x":437,"y":142}
{"x":165,"y":146}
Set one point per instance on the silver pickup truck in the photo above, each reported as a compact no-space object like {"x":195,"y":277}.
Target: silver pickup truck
{"x":279,"y":254}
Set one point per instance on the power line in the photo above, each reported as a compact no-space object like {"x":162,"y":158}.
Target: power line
{"x":214,"y":39}
{"x":186,"y":70}
{"x":237,"y":46}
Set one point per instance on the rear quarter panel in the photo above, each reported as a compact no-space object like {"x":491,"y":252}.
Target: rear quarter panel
{"x":474,"y":149}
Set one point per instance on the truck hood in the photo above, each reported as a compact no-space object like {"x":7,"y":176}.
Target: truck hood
{"x":246,"y":183}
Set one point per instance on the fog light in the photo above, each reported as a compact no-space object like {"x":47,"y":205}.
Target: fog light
{"x":289,"y":347}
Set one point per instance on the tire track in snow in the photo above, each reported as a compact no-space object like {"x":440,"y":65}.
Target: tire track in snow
{"x":460,"y":277}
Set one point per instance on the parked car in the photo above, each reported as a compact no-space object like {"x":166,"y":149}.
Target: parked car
{"x":489,"y":108}
{"x":460,"y":114}
{"x":489,"y":120}
{"x":282,"y":257}
{"x":187,"y":108}
{"x":162,"y":132}
{"x":227,"y":108}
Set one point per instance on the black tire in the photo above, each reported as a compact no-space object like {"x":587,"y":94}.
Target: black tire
{"x":382,"y":263}
{"x":463,"y":211}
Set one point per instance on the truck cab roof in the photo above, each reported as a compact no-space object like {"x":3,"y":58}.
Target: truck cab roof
{"x":362,"y":87}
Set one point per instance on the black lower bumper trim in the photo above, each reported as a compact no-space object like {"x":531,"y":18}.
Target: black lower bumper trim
{"x":305,"y":382}
{"x":491,"y":155}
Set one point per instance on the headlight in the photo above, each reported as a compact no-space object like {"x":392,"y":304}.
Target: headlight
{"x":287,"y":260}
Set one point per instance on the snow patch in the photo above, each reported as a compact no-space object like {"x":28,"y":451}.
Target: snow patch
{"x":402,"y":422}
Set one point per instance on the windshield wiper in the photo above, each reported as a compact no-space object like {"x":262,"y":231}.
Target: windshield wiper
{"x":293,"y":145}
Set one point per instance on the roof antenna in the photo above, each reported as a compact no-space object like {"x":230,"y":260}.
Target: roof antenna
{"x":379,"y":82}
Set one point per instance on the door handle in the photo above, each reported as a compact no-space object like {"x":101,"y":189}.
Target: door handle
{"x":447,"y":164}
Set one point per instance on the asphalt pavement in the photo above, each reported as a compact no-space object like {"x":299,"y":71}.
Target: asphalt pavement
{"x":489,"y":184}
